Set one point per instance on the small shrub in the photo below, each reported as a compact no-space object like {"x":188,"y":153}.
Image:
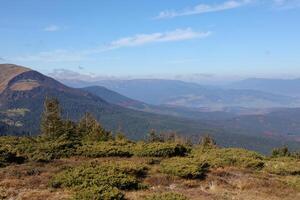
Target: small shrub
{"x":167,"y":196}
{"x":280,"y":152}
{"x":184,"y":167}
{"x":283,"y":166}
{"x":7,"y":157}
{"x":115,"y":175}
{"x":222,"y":157}
{"x":106,"y":149}
{"x":99,"y":193}
{"x":48,"y":150}
{"x":159,"y":149}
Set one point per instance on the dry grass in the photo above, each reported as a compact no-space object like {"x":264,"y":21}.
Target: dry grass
{"x":25,"y":85}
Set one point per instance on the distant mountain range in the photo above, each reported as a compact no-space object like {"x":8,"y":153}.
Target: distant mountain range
{"x":192,"y":113}
{"x":185,"y":94}
{"x":23,"y":92}
{"x":288,"y":87}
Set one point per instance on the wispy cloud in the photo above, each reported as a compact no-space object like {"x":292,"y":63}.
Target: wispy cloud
{"x":203,"y":8}
{"x":136,"y":40}
{"x":142,"y":39}
{"x":286,"y":4}
{"x":51,"y":28}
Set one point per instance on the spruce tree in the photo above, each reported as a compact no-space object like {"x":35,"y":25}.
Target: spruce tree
{"x":51,"y":122}
{"x":91,"y":130}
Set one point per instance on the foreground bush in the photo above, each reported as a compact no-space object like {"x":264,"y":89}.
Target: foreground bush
{"x":100,"y":180}
{"x":184,"y":167}
{"x":160,"y":149}
{"x":39,"y":149}
{"x":222,"y":157}
{"x":7,"y":157}
{"x":106,"y":149}
{"x":283,"y":166}
{"x":99,"y":193}
{"x":167,"y":196}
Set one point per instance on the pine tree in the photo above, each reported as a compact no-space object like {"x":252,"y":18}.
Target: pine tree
{"x":70,"y":132}
{"x":153,"y":137}
{"x":51,"y":122}
{"x":207,"y":142}
{"x":90,"y":129}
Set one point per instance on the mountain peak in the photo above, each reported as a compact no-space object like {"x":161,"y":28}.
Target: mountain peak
{"x":8,"y":72}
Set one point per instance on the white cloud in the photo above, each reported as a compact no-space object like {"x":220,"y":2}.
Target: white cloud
{"x":141,"y":39}
{"x":51,"y":28}
{"x":203,"y":8}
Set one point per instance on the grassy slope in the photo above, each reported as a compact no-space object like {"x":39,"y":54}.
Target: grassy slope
{"x":30,"y":181}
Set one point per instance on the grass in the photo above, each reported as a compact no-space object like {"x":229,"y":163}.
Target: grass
{"x":167,"y":196}
{"x":283,"y":166}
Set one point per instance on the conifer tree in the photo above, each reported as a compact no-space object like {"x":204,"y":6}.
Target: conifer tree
{"x":51,"y":122}
{"x":90,"y":129}
{"x":207,"y":142}
{"x":154,"y":137}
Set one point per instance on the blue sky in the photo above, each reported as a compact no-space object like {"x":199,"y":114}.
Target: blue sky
{"x":141,"y":37}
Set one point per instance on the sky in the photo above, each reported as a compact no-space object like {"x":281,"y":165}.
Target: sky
{"x":191,"y":38}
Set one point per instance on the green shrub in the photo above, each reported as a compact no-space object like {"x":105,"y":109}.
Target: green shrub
{"x":283,"y":166}
{"x":106,"y":149}
{"x":222,"y":157}
{"x":117,"y":175}
{"x":159,"y":149}
{"x":184,"y":167}
{"x":99,"y":193}
{"x":39,"y":149}
{"x":167,"y":196}
{"x":19,"y":145}
{"x":90,"y":176}
{"x":7,"y":157}
{"x":281,"y":152}
{"x":49,"y":150}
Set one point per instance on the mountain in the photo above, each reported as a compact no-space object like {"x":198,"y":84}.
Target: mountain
{"x":289,"y":87}
{"x":185,"y":94}
{"x":192,"y":113}
{"x":283,"y":123}
{"x":115,"y":98}
{"x":24,"y":91}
